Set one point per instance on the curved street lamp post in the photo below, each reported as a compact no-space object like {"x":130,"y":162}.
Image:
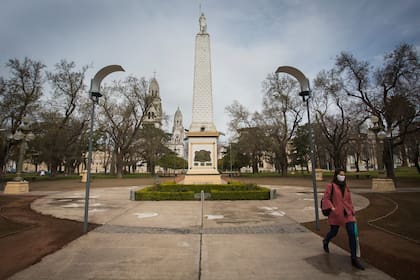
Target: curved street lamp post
{"x":22,"y":136}
{"x":382,"y":136}
{"x":94,"y":92}
{"x":383,"y":182}
{"x":306,"y":94}
{"x":378,"y":132}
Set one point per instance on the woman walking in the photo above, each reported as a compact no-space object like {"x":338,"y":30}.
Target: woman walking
{"x":337,"y":197}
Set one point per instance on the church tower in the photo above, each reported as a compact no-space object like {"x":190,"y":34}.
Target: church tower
{"x":177,"y":141}
{"x":202,"y":135}
{"x":154,"y":114}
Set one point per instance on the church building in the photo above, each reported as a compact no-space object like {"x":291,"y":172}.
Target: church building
{"x":155,"y":116}
{"x":177,"y":140}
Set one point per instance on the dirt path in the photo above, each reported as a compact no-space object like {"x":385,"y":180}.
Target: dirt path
{"x":26,"y":236}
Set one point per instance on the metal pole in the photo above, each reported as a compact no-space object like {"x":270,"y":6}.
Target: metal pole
{"x":4,"y":167}
{"x":89,"y":163}
{"x":20,"y":160}
{"x":311,"y":142}
{"x":230,"y":154}
{"x":391,"y":156}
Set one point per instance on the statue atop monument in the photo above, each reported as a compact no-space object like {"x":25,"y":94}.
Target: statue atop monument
{"x":203,"y":24}
{"x":202,"y":135}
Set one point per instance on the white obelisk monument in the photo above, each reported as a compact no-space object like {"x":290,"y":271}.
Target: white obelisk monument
{"x":202,"y":135}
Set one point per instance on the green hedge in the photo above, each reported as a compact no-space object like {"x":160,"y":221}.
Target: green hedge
{"x":240,"y":195}
{"x":234,"y":191}
{"x":154,"y":195}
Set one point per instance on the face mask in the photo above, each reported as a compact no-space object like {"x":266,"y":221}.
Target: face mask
{"x":341,"y":178}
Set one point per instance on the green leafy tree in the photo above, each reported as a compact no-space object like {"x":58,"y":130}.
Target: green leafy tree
{"x":152,"y":146}
{"x":233,"y":156}
{"x":171,"y":161}
{"x":300,"y":154}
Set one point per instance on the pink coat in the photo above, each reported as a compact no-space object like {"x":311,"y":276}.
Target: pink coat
{"x":340,"y":203}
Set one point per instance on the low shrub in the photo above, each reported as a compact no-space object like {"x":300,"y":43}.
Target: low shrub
{"x":263,"y":194}
{"x":233,"y":191}
{"x":156,"y":195}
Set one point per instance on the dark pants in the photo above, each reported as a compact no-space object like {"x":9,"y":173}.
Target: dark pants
{"x":350,"y":232}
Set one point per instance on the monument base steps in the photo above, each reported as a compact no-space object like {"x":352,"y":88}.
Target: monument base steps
{"x":16,"y":187}
{"x":203,"y":179}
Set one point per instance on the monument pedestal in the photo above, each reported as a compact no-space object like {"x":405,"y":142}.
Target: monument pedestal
{"x":319,"y":175}
{"x":83,"y":174}
{"x":202,"y":158}
{"x":202,"y":179}
{"x":383,"y":185}
{"x":13,"y":187}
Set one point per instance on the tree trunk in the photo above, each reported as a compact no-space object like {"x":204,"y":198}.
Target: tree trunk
{"x":356,"y":162}
{"x":119,"y":163}
{"x":54,"y":167}
{"x":112,"y":166}
{"x":150,"y":166}
{"x":283,"y":160}
{"x":254,"y":164}
{"x":404,"y":157}
{"x":336,"y":159}
{"x":416,"y":159}
{"x":388,"y":161}
{"x":277,"y":165}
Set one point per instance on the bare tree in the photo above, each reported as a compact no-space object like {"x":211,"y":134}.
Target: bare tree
{"x":391,"y":93}
{"x":62,"y":125}
{"x":20,"y":95}
{"x":21,"y":92}
{"x":335,"y":115}
{"x":247,"y":132}
{"x":123,"y":111}
{"x":68,"y":86}
{"x":282,"y":112}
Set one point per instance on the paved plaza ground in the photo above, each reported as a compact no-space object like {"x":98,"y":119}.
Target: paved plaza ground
{"x":188,"y":240}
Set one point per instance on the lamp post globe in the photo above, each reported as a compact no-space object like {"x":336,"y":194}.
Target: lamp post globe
{"x":374,"y":119}
{"x":381,"y":135}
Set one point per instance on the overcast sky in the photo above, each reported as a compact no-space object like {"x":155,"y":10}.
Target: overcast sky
{"x":249,"y":39}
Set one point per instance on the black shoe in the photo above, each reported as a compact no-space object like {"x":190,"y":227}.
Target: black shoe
{"x":356,"y":263}
{"x":325,"y":245}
